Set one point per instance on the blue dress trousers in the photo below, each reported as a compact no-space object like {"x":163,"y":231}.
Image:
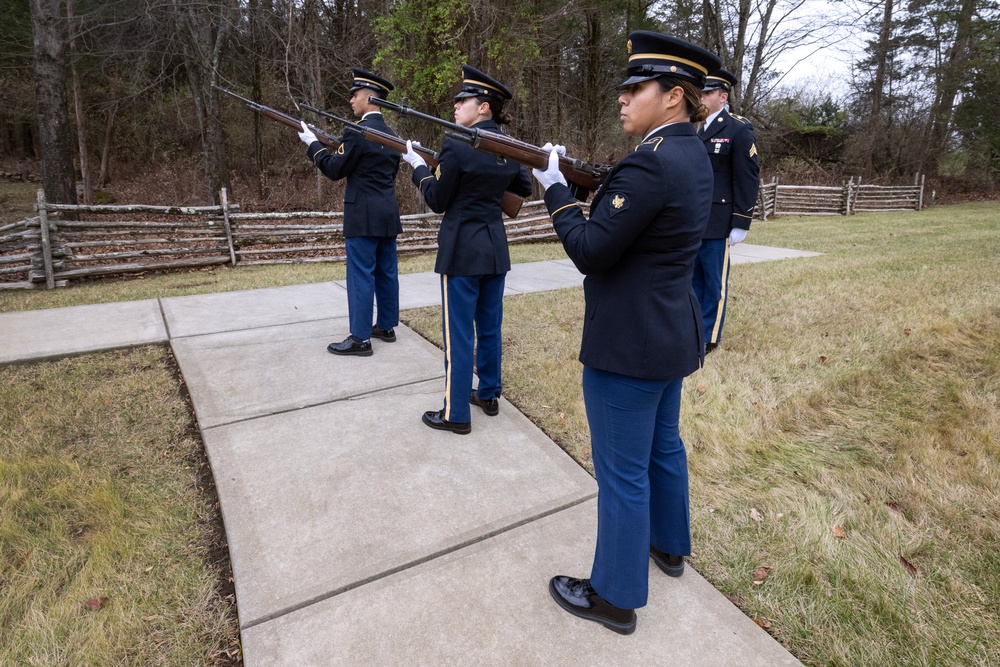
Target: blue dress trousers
{"x":473,"y":261}
{"x":371,"y":223}
{"x":642,"y":334}
{"x":731,"y":147}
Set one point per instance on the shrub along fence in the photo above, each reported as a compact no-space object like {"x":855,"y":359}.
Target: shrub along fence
{"x":64,"y":243}
{"x":851,"y":197}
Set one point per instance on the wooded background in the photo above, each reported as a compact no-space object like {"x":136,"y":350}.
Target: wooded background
{"x":115,"y":92}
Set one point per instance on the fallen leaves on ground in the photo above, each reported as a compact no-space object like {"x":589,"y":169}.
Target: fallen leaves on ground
{"x":910,"y":568}
{"x":96,"y":603}
{"x":838,"y":531}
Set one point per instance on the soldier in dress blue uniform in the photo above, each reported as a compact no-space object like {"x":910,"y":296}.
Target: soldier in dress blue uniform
{"x":731,"y":147}
{"x":472,"y":256}
{"x":642,"y":332}
{"x":371,"y":218}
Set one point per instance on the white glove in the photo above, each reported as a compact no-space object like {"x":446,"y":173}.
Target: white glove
{"x":411,"y":156}
{"x":736,"y":235}
{"x":306,"y":135}
{"x":551,"y":175}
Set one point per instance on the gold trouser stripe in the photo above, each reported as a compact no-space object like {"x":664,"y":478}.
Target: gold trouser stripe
{"x":447,"y":348}
{"x":722,"y":299}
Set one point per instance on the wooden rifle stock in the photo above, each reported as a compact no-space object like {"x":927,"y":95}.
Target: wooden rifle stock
{"x":510,"y":204}
{"x":580,"y":173}
{"x":323,"y":137}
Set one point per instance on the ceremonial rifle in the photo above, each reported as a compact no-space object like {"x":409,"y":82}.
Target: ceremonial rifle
{"x":582,"y":174}
{"x":510,"y":204}
{"x":323,"y":137}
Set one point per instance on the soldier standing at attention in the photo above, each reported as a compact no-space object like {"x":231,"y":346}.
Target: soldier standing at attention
{"x":371,"y":218}
{"x":730,"y":142}
{"x":642,"y":328}
{"x":472,"y":256}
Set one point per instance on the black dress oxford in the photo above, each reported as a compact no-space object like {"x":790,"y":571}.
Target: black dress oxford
{"x":351,"y":346}
{"x":435,"y":419}
{"x":579,"y":598}
{"x":388,"y":335}
{"x":490,"y":406}
{"x":672,"y":566}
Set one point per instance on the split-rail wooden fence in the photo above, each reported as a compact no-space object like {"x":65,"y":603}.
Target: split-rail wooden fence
{"x":852,"y":197}
{"x":65,"y":243}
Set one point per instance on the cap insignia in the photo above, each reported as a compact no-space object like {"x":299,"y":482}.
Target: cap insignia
{"x":628,"y":47}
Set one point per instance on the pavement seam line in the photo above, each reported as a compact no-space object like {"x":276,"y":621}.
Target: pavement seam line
{"x":414,"y":563}
{"x":166,"y":322}
{"x":321,"y":403}
{"x":258,"y":328}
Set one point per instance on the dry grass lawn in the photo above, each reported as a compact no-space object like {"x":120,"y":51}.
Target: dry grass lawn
{"x":844,"y":446}
{"x":111,"y":545}
{"x":844,"y":443}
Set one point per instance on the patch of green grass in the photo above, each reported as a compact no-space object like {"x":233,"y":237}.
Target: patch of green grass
{"x":103,"y":500}
{"x":849,"y":425}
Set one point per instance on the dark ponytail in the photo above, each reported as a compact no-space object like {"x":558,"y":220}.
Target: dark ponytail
{"x":696,"y":111}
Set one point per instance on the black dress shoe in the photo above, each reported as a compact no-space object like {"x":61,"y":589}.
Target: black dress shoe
{"x":672,"y":565}
{"x":388,"y":335}
{"x":490,"y":406}
{"x":435,"y":419}
{"x":710,"y":346}
{"x":579,"y":598}
{"x":351,"y":345}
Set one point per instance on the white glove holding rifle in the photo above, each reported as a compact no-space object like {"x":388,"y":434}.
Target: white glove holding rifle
{"x":736,"y":235}
{"x":551,"y":175}
{"x":411,"y":156}
{"x":306,"y":135}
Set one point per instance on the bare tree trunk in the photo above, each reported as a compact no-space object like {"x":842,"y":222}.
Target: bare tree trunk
{"x":878,"y":89}
{"x":203,"y":30}
{"x":748,"y":102}
{"x":55,"y":132}
{"x":81,"y":134}
{"x":256,"y":93}
{"x":102,"y":178}
{"x":950,"y":80}
{"x":713,"y":29}
{"x":592,"y":67}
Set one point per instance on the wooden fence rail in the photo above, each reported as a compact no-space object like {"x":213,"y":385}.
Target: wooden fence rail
{"x":851,"y":197}
{"x":64,"y":243}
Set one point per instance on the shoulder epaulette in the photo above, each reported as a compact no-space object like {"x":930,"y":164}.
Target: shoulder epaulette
{"x":653,"y":142}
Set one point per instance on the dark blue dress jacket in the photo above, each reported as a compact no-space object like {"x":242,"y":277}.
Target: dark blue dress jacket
{"x":467,"y":187}
{"x":370,"y":207}
{"x":733,"y":151}
{"x":637,"y":251}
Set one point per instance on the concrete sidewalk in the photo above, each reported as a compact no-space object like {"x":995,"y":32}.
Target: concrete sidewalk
{"x":360,"y":536}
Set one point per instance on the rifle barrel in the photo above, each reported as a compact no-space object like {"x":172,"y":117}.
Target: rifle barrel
{"x":379,"y":137}
{"x":577,"y":171}
{"x":283,"y":118}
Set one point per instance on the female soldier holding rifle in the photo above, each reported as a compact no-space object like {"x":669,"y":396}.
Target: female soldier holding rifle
{"x":642,"y":332}
{"x":472,"y":257}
